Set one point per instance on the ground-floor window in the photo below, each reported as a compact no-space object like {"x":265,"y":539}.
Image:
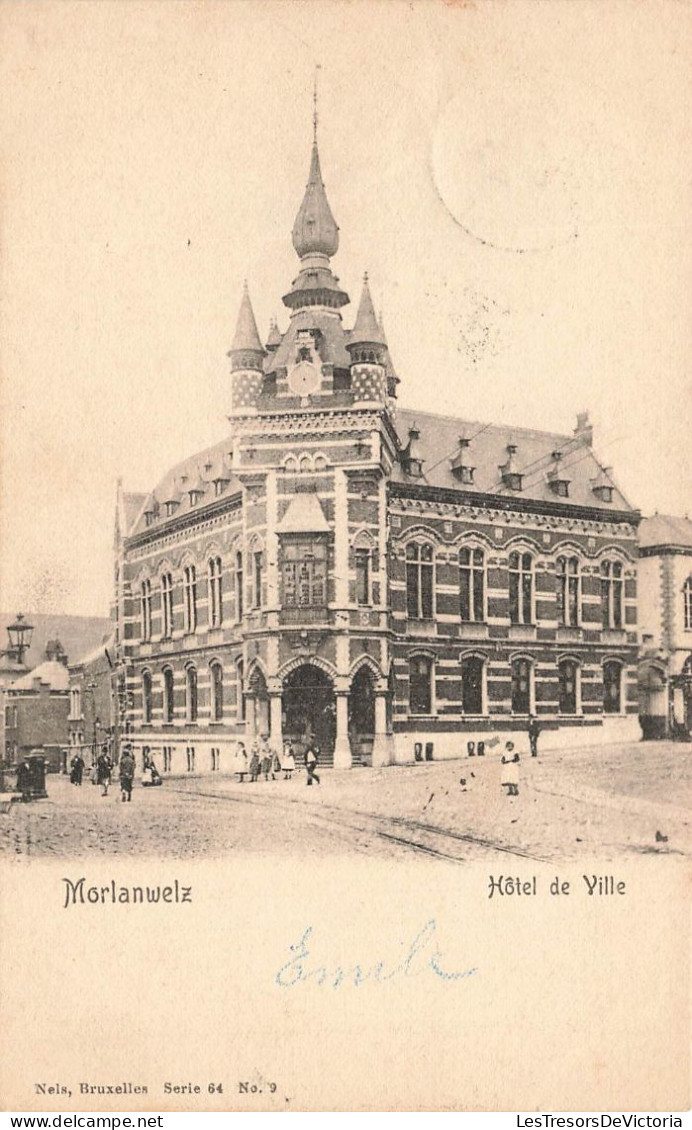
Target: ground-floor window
{"x":521,"y":686}
{"x":420,"y":684}
{"x":568,"y":688}
{"x":472,"y":670}
{"x":612,"y":687}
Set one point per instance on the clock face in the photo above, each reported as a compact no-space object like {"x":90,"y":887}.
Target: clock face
{"x":304,"y":379}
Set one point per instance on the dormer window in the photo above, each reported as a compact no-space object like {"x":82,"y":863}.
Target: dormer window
{"x":149,"y":516}
{"x":461,"y":468}
{"x":411,"y":456}
{"x":558,"y":481}
{"x":195,"y":496}
{"x":512,"y":477}
{"x":220,"y":486}
{"x":171,"y":507}
{"x":604,"y":494}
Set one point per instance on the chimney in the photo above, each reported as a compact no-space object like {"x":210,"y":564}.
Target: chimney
{"x":584,"y":429}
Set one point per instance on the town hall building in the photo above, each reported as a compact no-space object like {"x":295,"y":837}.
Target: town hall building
{"x":343,"y":570}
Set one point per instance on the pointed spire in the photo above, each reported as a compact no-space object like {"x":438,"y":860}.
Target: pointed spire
{"x":274,"y":338}
{"x":367,"y":328}
{"x":246,"y":351}
{"x":315,"y":231}
{"x":246,"y":335}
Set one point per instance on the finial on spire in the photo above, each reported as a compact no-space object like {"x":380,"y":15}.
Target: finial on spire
{"x":314,"y":104}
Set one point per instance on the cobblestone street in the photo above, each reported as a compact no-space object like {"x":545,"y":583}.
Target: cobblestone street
{"x":609,"y":801}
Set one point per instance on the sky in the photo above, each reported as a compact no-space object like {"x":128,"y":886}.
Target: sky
{"x":513,"y":177}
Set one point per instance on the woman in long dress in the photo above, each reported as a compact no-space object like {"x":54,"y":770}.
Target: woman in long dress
{"x":510,"y":770}
{"x":288,"y":761}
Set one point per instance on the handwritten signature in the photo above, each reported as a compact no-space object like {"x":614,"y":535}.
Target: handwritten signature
{"x":421,"y":956}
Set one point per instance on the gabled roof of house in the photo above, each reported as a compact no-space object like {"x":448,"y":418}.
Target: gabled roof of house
{"x":54,"y":674}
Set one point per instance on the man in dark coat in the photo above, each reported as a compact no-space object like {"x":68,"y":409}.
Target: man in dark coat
{"x":77,"y":767}
{"x":127,"y":774}
{"x":534,"y":730}
{"x":103,"y":771}
{"x":311,"y":760}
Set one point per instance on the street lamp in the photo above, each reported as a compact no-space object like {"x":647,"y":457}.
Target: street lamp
{"x":19,"y":634}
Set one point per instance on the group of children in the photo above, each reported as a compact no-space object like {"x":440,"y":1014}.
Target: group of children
{"x":265,"y":761}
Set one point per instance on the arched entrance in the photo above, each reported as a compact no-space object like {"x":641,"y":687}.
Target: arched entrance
{"x":361,"y":716}
{"x":309,"y":710}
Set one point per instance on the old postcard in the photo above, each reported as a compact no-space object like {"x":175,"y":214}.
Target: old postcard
{"x":346,"y":670}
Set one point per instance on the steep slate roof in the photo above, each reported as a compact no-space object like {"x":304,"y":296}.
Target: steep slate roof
{"x":132,"y":505}
{"x":487,"y":453}
{"x":207,"y":465}
{"x":665,"y":529}
{"x":332,"y":345}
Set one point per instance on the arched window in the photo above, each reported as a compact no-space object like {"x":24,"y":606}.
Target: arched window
{"x":190,"y":597}
{"x":687,"y":603}
{"x":240,"y":691}
{"x":257,"y":577}
{"x":472,"y":672}
{"x":521,"y":686}
{"x":191,"y":693}
{"x":239,"y":585}
{"x":420,"y":684}
{"x":146,"y":697}
{"x":611,"y":594}
{"x":521,"y":588}
{"x":168,"y":700}
{"x":472,"y":584}
{"x":612,"y":687}
{"x":214,"y":577}
{"x":419,"y":581}
{"x":166,"y":605}
{"x":216,"y":672}
{"x":568,"y":686}
{"x":146,"y":610}
{"x":568,"y":591}
{"x":362,"y":562}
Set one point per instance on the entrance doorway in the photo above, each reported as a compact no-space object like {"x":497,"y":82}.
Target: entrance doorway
{"x":361,"y":716}
{"x":309,"y":711}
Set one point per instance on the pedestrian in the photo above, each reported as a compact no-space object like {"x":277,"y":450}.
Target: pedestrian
{"x":127,"y":774}
{"x":150,"y":774}
{"x":276,"y":764}
{"x":510,"y":770}
{"x":77,"y":769}
{"x":288,"y":761}
{"x":267,"y":759}
{"x":24,"y":779}
{"x":534,"y":730}
{"x":311,"y":762}
{"x":254,"y":764}
{"x":104,"y":767}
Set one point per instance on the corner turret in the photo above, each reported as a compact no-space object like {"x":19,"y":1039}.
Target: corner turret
{"x":368,"y":351}
{"x":247,"y":355}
